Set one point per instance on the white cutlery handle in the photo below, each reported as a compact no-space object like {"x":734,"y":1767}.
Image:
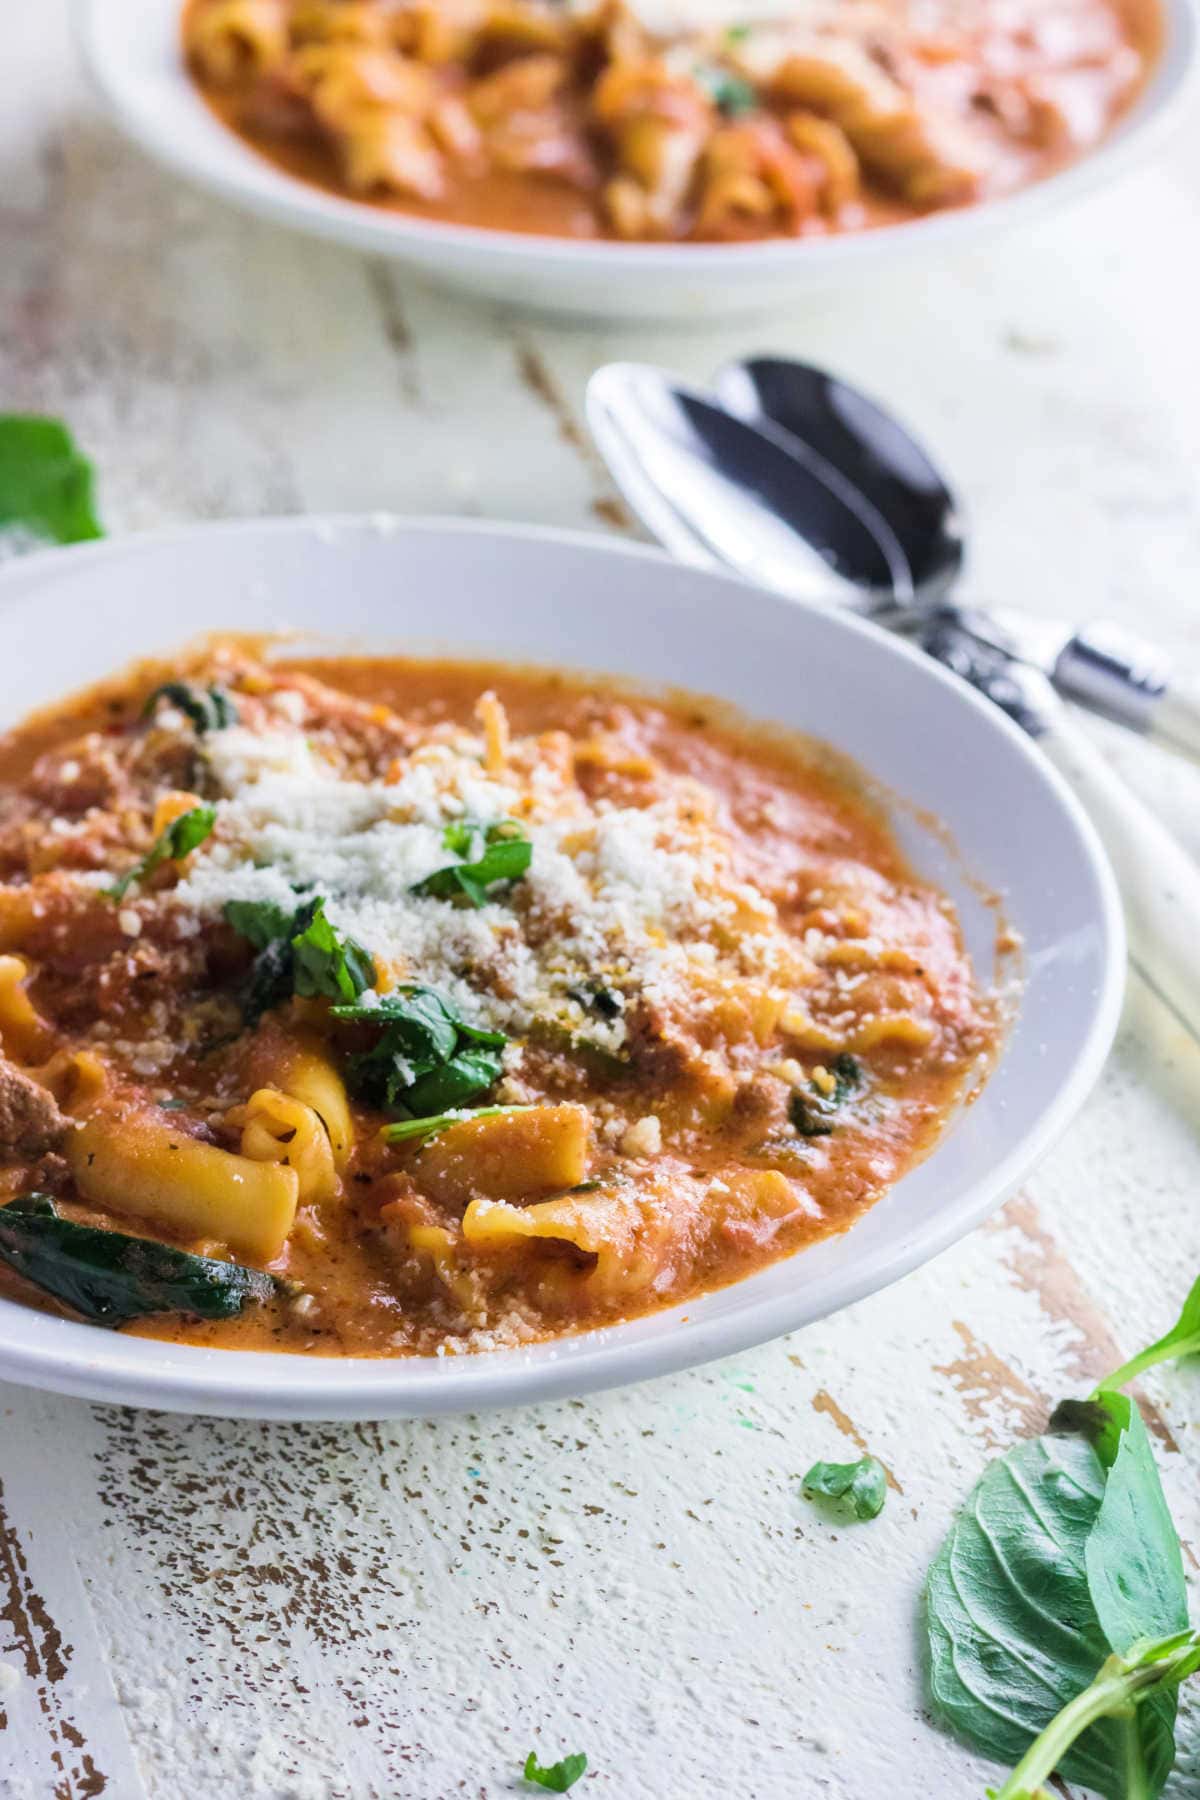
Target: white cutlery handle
{"x":1159,"y":881}
{"x":1175,"y":719}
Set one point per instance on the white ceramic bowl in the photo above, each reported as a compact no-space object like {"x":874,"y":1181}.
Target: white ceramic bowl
{"x":579,"y":602}
{"x":132,"y":50}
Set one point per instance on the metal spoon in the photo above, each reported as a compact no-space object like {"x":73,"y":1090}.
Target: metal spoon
{"x":712,"y":489}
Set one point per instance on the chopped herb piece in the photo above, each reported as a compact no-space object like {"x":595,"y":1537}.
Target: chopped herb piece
{"x":324,"y":961}
{"x":172,"y":1105}
{"x":302,"y":954}
{"x":729,"y":92}
{"x":559,"y":1776}
{"x":46,"y":485}
{"x":499,"y":852}
{"x":209,"y":709}
{"x":428,"y":1059}
{"x":812,"y":1114}
{"x":736,"y":34}
{"x":110,"y":1277}
{"x":406,"y":1131}
{"x":594,"y":997}
{"x":862,"y":1485}
{"x":179,"y":839}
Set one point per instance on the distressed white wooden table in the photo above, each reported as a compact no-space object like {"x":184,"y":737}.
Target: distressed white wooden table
{"x":191,"y":1607}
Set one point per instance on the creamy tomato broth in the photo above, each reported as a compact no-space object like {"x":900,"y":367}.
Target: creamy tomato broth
{"x":422,"y":1006}
{"x":676,"y":119}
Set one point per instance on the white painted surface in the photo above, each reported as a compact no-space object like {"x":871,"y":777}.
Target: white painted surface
{"x":312,"y":1612}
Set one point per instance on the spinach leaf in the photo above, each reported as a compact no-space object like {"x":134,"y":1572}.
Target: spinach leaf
{"x":731,"y":95}
{"x":1063,"y":1556}
{"x":557,"y":1777}
{"x":862,"y":1485}
{"x":46,"y":485}
{"x":500,"y":852}
{"x":1183,"y":1339}
{"x":298,"y":953}
{"x":110,"y":1277}
{"x":209,"y":709}
{"x":428,"y":1059}
{"x":813,"y":1114}
{"x":406,"y":1131}
{"x":179,"y":839}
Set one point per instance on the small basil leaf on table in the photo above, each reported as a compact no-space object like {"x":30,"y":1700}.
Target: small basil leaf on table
{"x":557,"y":1777}
{"x":46,"y":485}
{"x":1064,"y":1555}
{"x":861,"y":1485}
{"x":209,"y":709}
{"x":183,"y":835}
{"x":110,"y":1277}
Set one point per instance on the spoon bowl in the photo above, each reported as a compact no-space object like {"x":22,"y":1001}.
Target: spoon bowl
{"x":717,"y":491}
{"x":875,"y":454}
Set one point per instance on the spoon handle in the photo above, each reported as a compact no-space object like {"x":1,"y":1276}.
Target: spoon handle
{"x":1159,"y":881}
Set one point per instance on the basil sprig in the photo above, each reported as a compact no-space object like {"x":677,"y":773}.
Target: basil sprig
{"x":183,"y":835}
{"x":299,"y":952}
{"x":1056,"y":1610}
{"x":427,"y":1060}
{"x":209,"y":709}
{"x":490,"y":853}
{"x":46,"y":485}
{"x":110,"y":1277}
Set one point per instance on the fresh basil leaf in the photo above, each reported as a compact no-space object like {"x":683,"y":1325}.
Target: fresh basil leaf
{"x":505,"y":856}
{"x":299,"y":953}
{"x":405,"y":1131}
{"x":418,"y":1020}
{"x":469,"y":1073}
{"x":209,"y":709}
{"x":324,"y":961}
{"x":261,"y":921}
{"x":862,"y":1485}
{"x":557,"y":1777}
{"x":1063,"y":1555}
{"x":179,"y":839}
{"x":1183,"y":1339}
{"x":732,"y":96}
{"x":110,"y":1277}
{"x":46,"y":485}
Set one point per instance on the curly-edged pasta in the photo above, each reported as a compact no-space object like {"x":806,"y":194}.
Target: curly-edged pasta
{"x":619,"y":117}
{"x":486,"y":1006}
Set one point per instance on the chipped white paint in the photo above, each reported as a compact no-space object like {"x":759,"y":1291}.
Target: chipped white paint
{"x":403,"y":1610}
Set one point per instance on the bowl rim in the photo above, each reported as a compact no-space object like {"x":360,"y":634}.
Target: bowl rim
{"x":83,"y":1361}
{"x":251,"y":181}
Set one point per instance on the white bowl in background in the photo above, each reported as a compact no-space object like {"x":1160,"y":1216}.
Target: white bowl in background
{"x":132,"y":48}
{"x":531,"y":595}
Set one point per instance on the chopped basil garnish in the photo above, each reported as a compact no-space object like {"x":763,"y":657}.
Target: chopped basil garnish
{"x":209,"y":709}
{"x":491,"y":853}
{"x":110,"y":1277}
{"x":813,"y":1114}
{"x":861,"y":1485}
{"x":301,"y":953}
{"x":406,"y":1131}
{"x":46,"y":485}
{"x":428,"y":1059}
{"x":730,"y":93}
{"x":557,"y":1777}
{"x":179,"y":839}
